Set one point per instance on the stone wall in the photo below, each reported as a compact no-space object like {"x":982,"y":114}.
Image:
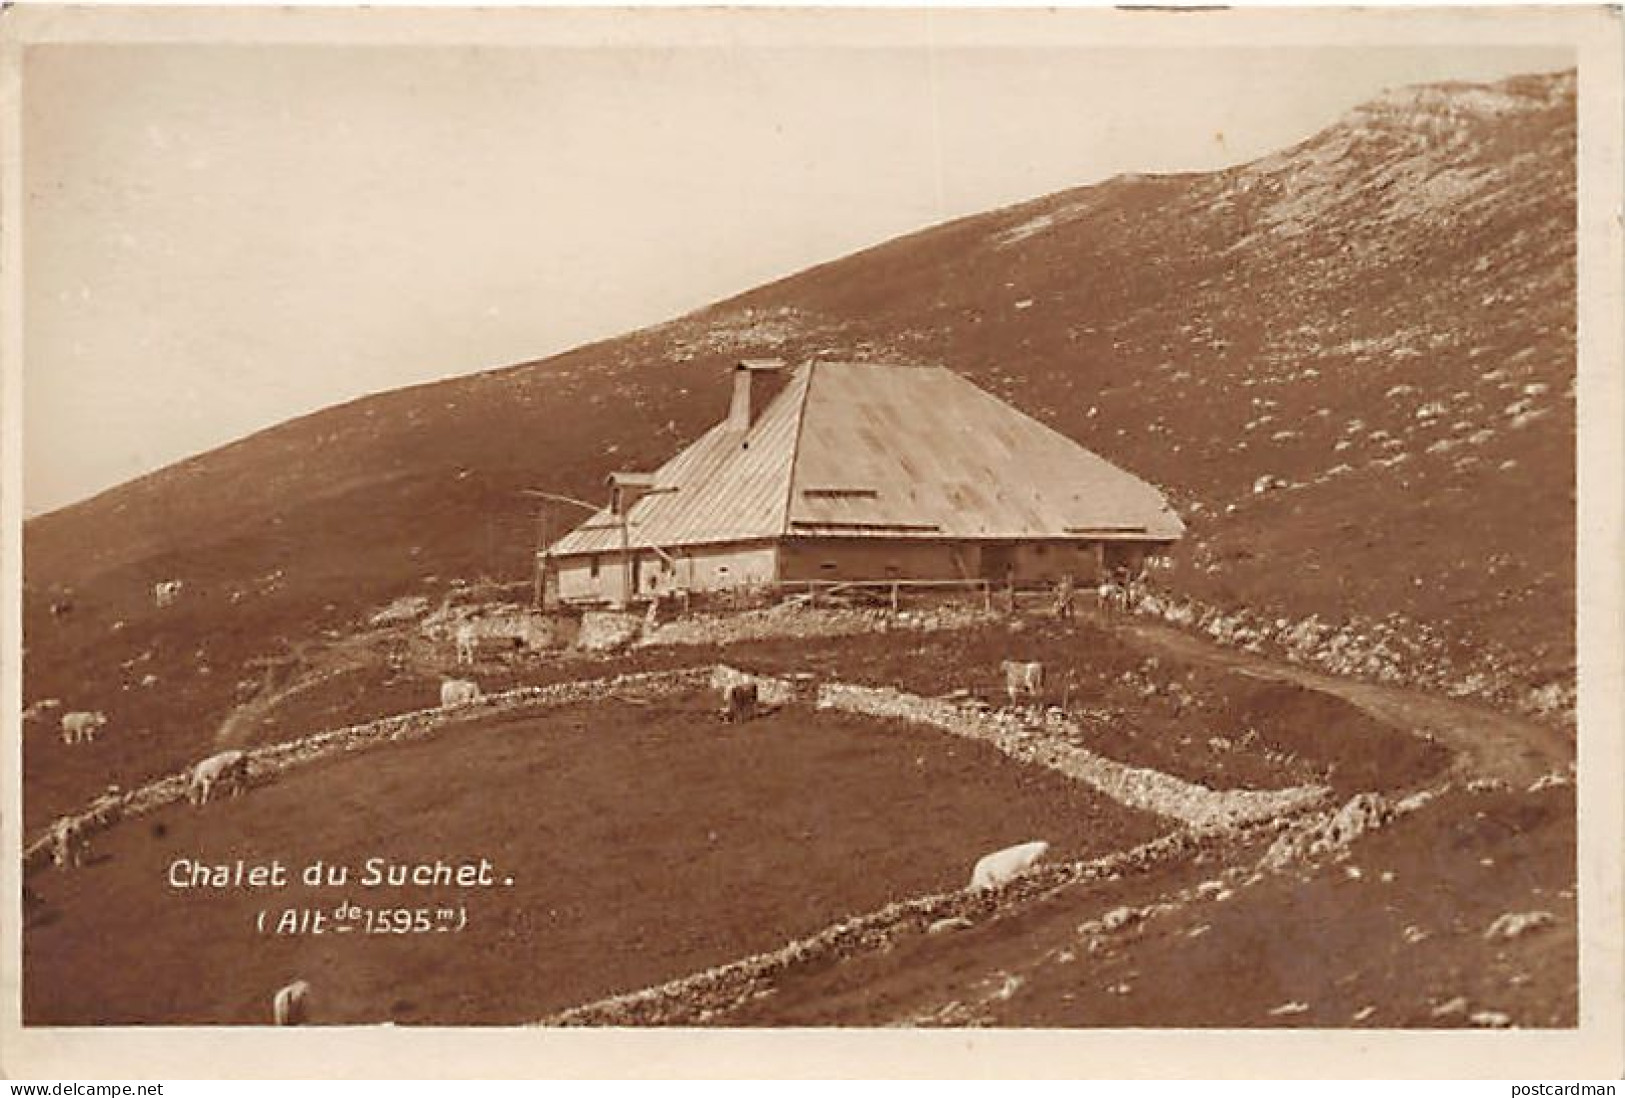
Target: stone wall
{"x":769,"y":690}
{"x":796,"y":619}
{"x":703,"y":996}
{"x":273,"y":760}
{"x":607,"y":630}
{"x":1045,"y":744}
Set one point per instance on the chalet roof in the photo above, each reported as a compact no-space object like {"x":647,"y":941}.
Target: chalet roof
{"x":854,"y":450}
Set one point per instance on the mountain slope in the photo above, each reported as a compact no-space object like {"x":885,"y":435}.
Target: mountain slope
{"x":1375,"y":327}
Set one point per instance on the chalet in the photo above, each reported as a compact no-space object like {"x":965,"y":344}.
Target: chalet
{"x":860,"y":472}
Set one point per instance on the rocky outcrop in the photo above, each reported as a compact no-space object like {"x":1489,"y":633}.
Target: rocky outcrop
{"x":1392,"y":650}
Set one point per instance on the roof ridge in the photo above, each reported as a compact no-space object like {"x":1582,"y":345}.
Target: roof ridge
{"x":795,"y":446}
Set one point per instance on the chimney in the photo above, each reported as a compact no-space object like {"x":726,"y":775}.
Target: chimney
{"x":625,"y":489}
{"x":746,"y":406}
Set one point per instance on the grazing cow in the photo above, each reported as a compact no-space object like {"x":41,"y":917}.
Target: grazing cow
{"x":291,"y":1006}
{"x":69,"y":842}
{"x":1003,"y":866}
{"x":468,"y":639}
{"x":166,"y":592}
{"x":227,"y":769}
{"x":78,"y":727}
{"x":458,"y":692}
{"x":739,"y":702}
{"x":1023,"y":679}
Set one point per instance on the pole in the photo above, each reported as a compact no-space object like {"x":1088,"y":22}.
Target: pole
{"x":626,"y":561}
{"x":541,"y":553}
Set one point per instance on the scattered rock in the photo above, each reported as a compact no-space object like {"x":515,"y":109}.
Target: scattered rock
{"x":946,"y":926}
{"x":1515,"y":924}
{"x":1490,"y":1019}
{"x":1455,"y":1006}
{"x":1289,"y":1008}
{"x":407,"y":608}
{"x":1117,"y":918}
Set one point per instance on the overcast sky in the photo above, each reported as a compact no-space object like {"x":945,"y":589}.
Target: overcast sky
{"x":218,"y":238}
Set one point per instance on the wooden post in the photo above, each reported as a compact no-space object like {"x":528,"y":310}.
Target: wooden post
{"x":626,"y":559}
{"x":541,"y":552}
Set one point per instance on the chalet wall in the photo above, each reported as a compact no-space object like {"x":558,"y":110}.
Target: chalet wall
{"x":834,"y":559}
{"x":914,"y":559}
{"x":696,"y":569}
{"x":875,"y":559}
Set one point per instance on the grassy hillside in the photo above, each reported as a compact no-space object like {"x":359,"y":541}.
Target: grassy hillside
{"x":1381,"y":319}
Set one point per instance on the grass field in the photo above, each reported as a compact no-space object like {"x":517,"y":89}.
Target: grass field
{"x":643,"y":843}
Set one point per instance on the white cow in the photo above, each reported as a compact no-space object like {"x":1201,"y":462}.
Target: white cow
{"x":291,"y":1005}
{"x":458,"y":692}
{"x":227,"y":769}
{"x":1003,"y":866}
{"x":69,"y":842}
{"x":166,"y":592}
{"x":1023,"y":679}
{"x":79,"y":727}
{"x":468,"y":640}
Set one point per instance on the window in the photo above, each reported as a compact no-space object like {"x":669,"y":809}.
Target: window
{"x":592,"y":566}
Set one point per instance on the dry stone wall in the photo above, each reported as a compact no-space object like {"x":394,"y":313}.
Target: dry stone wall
{"x":1044,"y":744}
{"x":769,"y":690}
{"x":798,"y":620}
{"x":275,"y":759}
{"x":703,"y":996}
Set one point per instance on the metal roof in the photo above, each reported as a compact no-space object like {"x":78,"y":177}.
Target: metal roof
{"x":854,"y":449}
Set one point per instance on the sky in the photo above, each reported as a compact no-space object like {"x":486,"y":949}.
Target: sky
{"x":220,"y":237}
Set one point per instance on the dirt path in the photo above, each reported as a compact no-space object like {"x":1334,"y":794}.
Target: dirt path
{"x":1490,"y":744}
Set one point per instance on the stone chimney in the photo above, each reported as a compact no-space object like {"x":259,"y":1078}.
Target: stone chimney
{"x":747,"y":399}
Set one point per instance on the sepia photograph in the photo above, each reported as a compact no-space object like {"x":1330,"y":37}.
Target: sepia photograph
{"x":782,"y":520}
